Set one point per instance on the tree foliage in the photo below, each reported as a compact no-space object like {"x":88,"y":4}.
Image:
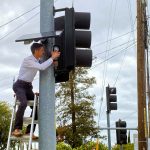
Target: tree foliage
{"x":63,"y":146}
{"x":5,"y":116}
{"x":87,"y":146}
{"x":125,"y":147}
{"x":92,"y":146}
{"x":75,"y":108}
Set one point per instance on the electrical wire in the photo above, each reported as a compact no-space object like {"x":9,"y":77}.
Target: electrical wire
{"x":17,"y":29}
{"x":16,"y":18}
{"x":19,"y":26}
{"x":6,"y":78}
{"x":96,"y":64}
{"x":19,"y":16}
{"x":132,"y":29}
{"x":114,"y":47}
{"x":11,"y":76}
{"x":101,"y":112}
{"x":122,"y":35}
{"x":105,"y":63}
{"x":106,"y":54}
{"x":121,"y":64}
{"x":112,"y":56}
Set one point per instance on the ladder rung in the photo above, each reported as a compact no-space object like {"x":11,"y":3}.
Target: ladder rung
{"x":30,"y":103}
{"x":24,"y":138}
{"x":28,"y":120}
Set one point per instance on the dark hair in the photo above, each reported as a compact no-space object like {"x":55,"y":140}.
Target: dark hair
{"x":35,"y":46}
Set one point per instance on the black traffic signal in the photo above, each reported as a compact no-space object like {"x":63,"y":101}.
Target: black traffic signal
{"x":62,"y":76}
{"x":121,"y":134}
{"x":111,"y":98}
{"x":74,"y":42}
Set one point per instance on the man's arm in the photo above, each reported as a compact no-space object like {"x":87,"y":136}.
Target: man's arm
{"x":32,"y":64}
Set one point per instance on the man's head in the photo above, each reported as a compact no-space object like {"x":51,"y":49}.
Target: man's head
{"x":37,"y":50}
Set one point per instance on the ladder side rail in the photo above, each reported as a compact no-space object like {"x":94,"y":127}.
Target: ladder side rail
{"x":11,"y":124}
{"x":32,"y":124}
{"x":37,"y":146}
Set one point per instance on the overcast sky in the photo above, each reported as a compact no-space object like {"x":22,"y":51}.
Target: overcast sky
{"x":110,"y":19}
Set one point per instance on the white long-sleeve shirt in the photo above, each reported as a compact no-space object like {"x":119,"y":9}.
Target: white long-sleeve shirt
{"x":30,"y":66}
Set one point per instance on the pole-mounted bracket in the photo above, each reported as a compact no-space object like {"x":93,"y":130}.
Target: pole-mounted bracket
{"x":29,"y":38}
{"x":58,"y":10}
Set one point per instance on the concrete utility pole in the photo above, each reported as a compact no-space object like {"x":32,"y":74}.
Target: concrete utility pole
{"x":47,"y":129}
{"x":141,"y":78}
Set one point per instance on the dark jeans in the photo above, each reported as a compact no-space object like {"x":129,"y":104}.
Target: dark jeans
{"x":23,"y":91}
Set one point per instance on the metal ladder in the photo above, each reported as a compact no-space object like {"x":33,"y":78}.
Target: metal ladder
{"x":26,"y":120}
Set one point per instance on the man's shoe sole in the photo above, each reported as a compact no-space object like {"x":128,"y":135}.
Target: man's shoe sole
{"x":33,"y":137}
{"x":17,"y":135}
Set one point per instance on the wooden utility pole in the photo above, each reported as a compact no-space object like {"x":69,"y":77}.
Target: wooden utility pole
{"x":141,"y":78}
{"x":72,"y":76}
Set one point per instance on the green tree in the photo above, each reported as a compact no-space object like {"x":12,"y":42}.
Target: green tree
{"x":125,"y":147}
{"x":91,"y":146}
{"x":63,"y":146}
{"x":75,"y":111}
{"x":5,"y":116}
{"x":87,"y":146}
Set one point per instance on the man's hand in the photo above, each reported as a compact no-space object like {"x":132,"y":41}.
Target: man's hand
{"x":55,"y":54}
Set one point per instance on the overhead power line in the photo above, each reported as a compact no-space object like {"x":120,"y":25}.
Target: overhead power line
{"x":19,"y":16}
{"x":111,"y":56}
{"x":112,"y":39}
{"x":19,"y":26}
{"x":115,"y":47}
{"x":132,"y":28}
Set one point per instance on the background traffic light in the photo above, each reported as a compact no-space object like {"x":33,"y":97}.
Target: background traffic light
{"x":74,"y":42}
{"x":111,"y":98}
{"x":121,"y":134}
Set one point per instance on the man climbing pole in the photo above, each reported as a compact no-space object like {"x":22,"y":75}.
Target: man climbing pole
{"x":23,"y":86}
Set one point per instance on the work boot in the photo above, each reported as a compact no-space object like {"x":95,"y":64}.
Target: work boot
{"x":17,"y":133}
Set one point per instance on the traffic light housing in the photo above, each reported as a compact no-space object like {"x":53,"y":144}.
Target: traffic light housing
{"x":111,"y":98}
{"x":74,"y":41}
{"x":121,"y":134}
